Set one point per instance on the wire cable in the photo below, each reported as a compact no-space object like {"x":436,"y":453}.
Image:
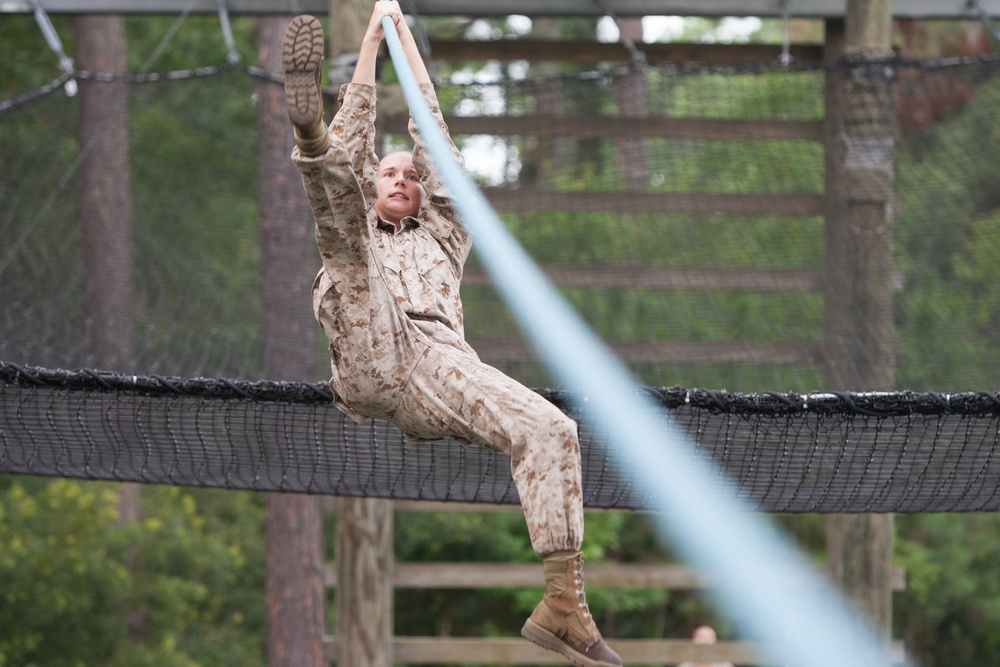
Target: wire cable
{"x":52,"y":38}
{"x":174,"y":27}
{"x":786,"y":37}
{"x":638,"y":56}
{"x":232,"y":57}
{"x":986,"y":19}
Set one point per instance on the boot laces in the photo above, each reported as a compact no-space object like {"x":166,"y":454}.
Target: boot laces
{"x":581,"y":594}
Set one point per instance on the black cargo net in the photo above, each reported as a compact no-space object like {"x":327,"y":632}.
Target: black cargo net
{"x":837,"y":452}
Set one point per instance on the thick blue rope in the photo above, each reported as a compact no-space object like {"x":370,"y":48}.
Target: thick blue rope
{"x":810,"y":624}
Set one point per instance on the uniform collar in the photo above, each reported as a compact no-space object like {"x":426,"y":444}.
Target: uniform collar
{"x":409,"y":222}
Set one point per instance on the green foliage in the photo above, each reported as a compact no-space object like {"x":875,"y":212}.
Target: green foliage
{"x":950,"y":612}
{"x":502,"y":537}
{"x":734,"y":94}
{"x":61,"y":573}
{"x":199,"y":242}
{"x":947,"y":244}
{"x":158,"y":45}
{"x":459,"y":537}
{"x":180,"y":588}
{"x":34,"y":63}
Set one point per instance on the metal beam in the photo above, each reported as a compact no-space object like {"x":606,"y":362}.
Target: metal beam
{"x":929,"y":9}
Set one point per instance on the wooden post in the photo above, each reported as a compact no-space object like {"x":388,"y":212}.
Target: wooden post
{"x":364,"y":560}
{"x":859,"y":129}
{"x":363,"y":551}
{"x":542,"y":155}
{"x":348,"y":22}
{"x":631,"y":95}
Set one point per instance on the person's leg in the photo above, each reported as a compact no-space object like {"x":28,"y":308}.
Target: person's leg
{"x":562,"y":621}
{"x":302,"y":60}
{"x":454,"y":394}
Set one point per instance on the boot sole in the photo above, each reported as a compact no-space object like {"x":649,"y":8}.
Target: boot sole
{"x":538,"y":635}
{"x":302,"y":58}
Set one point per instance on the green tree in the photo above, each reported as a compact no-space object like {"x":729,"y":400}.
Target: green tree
{"x":947,"y":246}
{"x":65,"y":576}
{"x":949,"y":614}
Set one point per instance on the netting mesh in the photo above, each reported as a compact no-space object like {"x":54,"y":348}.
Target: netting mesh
{"x":681,"y":210}
{"x":701,"y":260}
{"x":893,"y":452}
{"x":196,"y":305}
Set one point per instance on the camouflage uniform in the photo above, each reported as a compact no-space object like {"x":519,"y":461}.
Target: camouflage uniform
{"x":389,"y":304}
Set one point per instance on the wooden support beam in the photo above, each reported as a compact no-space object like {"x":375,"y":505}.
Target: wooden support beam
{"x":627,"y":276}
{"x":671,"y":352}
{"x":525,"y":200}
{"x":364,"y":559}
{"x":633,"y":127}
{"x":529,"y":575}
{"x":860,"y":157}
{"x":590,"y":52}
{"x":666,"y":277}
{"x":517,"y":651}
{"x":918,"y":9}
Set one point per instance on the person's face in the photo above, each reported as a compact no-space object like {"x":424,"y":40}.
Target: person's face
{"x":399,"y":190}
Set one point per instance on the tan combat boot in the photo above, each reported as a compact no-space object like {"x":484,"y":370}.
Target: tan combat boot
{"x":561,"y":622}
{"x":302,"y":59}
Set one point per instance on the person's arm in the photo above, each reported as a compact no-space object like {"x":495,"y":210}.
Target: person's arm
{"x":354,"y":122}
{"x":438,"y":212}
{"x":412,"y":51}
{"x":364,"y":70}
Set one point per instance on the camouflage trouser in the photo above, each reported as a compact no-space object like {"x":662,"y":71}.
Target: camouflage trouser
{"x":423,"y":377}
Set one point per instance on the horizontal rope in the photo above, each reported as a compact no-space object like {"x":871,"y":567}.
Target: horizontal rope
{"x":880,"y":404}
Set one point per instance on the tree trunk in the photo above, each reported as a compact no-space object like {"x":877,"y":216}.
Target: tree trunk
{"x":105,"y":195}
{"x":296,"y":598}
{"x":105,"y":202}
{"x":296,"y":603}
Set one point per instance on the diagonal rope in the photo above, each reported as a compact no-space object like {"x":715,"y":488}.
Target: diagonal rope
{"x":638,"y":56}
{"x":174,"y":27}
{"x":987,"y":20}
{"x":813,"y":628}
{"x":232,"y":57}
{"x":52,"y":38}
{"x":786,"y":37}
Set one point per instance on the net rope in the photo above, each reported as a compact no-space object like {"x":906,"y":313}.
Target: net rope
{"x":795,"y":453}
